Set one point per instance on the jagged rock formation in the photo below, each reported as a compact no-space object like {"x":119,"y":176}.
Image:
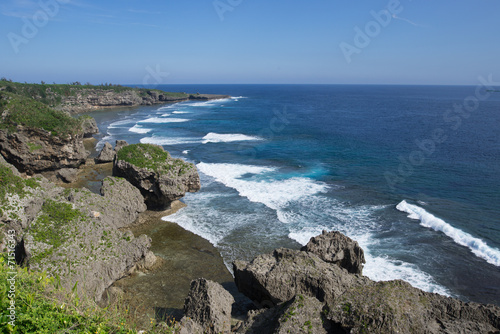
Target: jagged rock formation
{"x":74,"y":233}
{"x":35,"y":150}
{"x":107,"y":153}
{"x":312,"y":295}
{"x":275,"y":278}
{"x":160,"y":178}
{"x":208,"y":305}
{"x":89,"y":127}
{"x":339,"y":249}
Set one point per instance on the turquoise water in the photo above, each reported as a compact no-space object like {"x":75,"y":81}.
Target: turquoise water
{"x":413,"y":178}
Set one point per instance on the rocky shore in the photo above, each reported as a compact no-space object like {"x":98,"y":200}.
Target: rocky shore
{"x":93,"y":242}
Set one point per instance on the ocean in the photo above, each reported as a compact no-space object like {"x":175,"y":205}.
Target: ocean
{"x":410,"y":172}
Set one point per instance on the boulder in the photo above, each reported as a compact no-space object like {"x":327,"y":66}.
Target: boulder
{"x":89,"y":126}
{"x":334,"y":247}
{"x":107,"y":154}
{"x":301,"y":314}
{"x":68,"y":175}
{"x":397,"y":307}
{"x":310,"y":293}
{"x":209,"y":305}
{"x":160,"y":178}
{"x":33,"y":150}
{"x":275,"y":278}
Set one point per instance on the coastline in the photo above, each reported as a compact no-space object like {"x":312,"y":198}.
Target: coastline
{"x":182,"y":256}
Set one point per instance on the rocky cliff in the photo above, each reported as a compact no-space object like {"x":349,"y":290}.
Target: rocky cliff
{"x":73,"y":233}
{"x":36,"y":138}
{"x":77,"y":98}
{"x":160,"y":178}
{"x":316,"y":290}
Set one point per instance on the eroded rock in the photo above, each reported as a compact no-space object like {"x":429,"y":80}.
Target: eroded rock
{"x":106,"y":155}
{"x":209,"y":305}
{"x":334,"y":247}
{"x":160,"y":178}
{"x":35,"y":150}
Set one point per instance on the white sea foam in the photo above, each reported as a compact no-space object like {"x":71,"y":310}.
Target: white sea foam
{"x":476,"y":245}
{"x":165,"y":115}
{"x":209,"y":103}
{"x":185,"y":152}
{"x":274,"y":194}
{"x":213,"y":137}
{"x":163,"y":120}
{"x":180,"y":112}
{"x":168,"y":141}
{"x":121,"y":124}
{"x":139,"y":129}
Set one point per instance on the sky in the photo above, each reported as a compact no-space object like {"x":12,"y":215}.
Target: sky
{"x":439,"y":42}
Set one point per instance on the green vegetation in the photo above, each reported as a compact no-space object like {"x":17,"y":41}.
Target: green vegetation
{"x":152,"y":157}
{"x":42,"y":306}
{"x":12,"y":184}
{"x":55,"y":218}
{"x":54,"y":94}
{"x":19,"y":110}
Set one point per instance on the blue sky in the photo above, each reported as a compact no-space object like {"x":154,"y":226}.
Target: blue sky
{"x":250,"y":41}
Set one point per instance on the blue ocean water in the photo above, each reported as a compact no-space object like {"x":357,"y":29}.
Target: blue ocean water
{"x":410,"y":172}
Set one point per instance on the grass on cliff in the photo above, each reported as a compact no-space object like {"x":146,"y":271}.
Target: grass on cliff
{"x":40,"y":305}
{"x":12,"y":184}
{"x":152,"y":157}
{"x":18,"y":110}
{"x":54,"y":94}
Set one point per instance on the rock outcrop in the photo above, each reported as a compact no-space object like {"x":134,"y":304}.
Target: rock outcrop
{"x":106,"y":155}
{"x":311,"y":293}
{"x":73,"y":233}
{"x":89,"y":126}
{"x":334,"y":247}
{"x":160,"y":178}
{"x":36,"y":150}
{"x":209,"y":306}
{"x":274,"y":278}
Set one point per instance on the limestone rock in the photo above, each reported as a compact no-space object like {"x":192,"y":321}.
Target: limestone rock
{"x":339,"y":301}
{"x":68,"y":175}
{"x":36,"y":150}
{"x":209,"y":305}
{"x":397,"y":307}
{"x":277,"y":277}
{"x":120,"y":144}
{"x":89,"y":126}
{"x":165,"y":181}
{"x":301,"y":314}
{"x":337,"y":248}
{"x":106,"y":155}
{"x":148,"y":262}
